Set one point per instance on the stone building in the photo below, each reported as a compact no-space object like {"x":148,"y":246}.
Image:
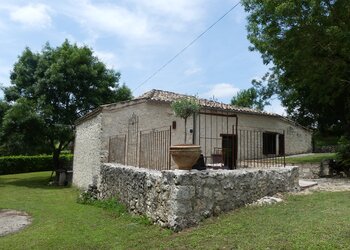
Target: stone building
{"x":139,"y":133}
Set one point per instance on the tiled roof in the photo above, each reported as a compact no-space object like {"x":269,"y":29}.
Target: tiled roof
{"x":168,"y":97}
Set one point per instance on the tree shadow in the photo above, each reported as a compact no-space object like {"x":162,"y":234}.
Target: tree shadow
{"x":42,"y":182}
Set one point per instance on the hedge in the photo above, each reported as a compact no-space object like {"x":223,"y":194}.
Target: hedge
{"x":23,"y":163}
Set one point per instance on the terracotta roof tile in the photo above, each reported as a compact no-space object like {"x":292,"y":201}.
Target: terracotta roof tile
{"x":168,"y":97}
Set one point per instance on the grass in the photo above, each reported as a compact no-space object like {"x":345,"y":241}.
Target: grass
{"x":314,"y":158}
{"x":317,"y":221}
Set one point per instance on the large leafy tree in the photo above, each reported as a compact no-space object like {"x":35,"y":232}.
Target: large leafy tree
{"x":308,"y":44}
{"x":4,"y":106}
{"x":23,"y":130}
{"x":246,"y":98}
{"x":62,"y":84}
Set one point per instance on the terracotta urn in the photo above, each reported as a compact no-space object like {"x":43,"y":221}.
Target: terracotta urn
{"x":185,"y":155}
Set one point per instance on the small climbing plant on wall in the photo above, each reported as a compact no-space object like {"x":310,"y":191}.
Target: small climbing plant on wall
{"x":185,"y":107}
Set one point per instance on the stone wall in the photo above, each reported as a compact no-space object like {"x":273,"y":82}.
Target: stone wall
{"x":180,"y":199}
{"x":87,"y":150}
{"x":314,"y":170}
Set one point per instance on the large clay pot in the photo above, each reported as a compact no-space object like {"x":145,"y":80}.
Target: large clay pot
{"x":185,"y":155}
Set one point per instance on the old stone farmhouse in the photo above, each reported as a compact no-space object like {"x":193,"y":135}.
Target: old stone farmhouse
{"x":139,"y":133}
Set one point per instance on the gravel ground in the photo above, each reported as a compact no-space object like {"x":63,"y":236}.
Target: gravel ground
{"x":12,"y":221}
{"x":329,"y":184}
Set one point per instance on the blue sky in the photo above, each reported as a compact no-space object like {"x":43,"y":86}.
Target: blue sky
{"x":136,"y":37}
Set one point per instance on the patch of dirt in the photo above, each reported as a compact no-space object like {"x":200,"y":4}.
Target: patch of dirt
{"x":328,"y":184}
{"x":12,"y":221}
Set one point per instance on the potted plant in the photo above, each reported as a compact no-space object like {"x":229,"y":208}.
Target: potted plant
{"x":185,"y":155}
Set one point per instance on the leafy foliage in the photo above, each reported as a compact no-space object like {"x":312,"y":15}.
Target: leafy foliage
{"x":344,"y":151}
{"x":184,"y":108}
{"x":23,"y":130}
{"x":4,"y":106}
{"x":23,"y":163}
{"x":247,"y":98}
{"x":308,"y":44}
{"x":54,"y":88}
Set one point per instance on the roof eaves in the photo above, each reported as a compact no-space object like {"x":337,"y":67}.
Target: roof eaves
{"x":88,"y":116}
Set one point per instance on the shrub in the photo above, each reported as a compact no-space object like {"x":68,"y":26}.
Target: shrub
{"x":23,"y":164}
{"x":343,"y":150}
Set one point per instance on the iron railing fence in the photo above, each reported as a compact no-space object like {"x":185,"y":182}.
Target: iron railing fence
{"x":148,"y":148}
{"x":117,"y":149}
{"x":224,"y":144}
{"x":244,"y":148}
{"x":260,"y":148}
{"x":154,"y":150}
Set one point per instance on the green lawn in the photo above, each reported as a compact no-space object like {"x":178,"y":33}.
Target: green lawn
{"x":315,"y":158}
{"x":317,"y":221}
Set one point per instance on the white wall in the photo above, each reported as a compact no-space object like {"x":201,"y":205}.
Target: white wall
{"x":87,"y":149}
{"x":250,"y":134}
{"x":150,"y":116}
{"x":297,"y":139}
{"x":92,"y":135}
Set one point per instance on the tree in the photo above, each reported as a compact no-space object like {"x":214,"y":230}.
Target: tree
{"x":63,"y":84}
{"x":308,"y":44}
{"x":23,"y":130}
{"x":4,"y":106}
{"x":247,"y":98}
{"x":184,"y":108}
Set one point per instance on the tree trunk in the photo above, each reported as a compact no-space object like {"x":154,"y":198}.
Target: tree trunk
{"x":56,"y":164}
{"x":185,"y":130}
{"x":56,"y":159}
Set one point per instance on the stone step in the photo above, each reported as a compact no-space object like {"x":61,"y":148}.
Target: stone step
{"x":306,"y":184}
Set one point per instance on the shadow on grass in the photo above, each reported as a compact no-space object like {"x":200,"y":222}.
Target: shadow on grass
{"x":41,"y":181}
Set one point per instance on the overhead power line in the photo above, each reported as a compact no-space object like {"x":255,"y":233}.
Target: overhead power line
{"x":186,"y":47}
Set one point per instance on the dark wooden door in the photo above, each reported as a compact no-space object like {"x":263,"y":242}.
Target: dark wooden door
{"x":228,"y":150}
{"x":281,"y":150}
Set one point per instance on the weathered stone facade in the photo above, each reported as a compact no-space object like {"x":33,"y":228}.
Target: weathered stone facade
{"x":180,"y":199}
{"x":87,"y":152}
{"x":94,"y":131}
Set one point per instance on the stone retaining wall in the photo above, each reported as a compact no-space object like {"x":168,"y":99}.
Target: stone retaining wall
{"x":313,"y":170}
{"x":180,"y":199}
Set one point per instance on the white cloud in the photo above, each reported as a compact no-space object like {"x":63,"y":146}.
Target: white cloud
{"x":109,"y":58}
{"x":221,"y":90}
{"x":176,"y":15}
{"x":183,"y":10}
{"x":4,"y":77}
{"x":32,"y":15}
{"x":135,"y":21}
{"x":276,"y":107}
{"x":192,"y":71}
{"x":112,"y":19}
{"x":2,"y":25}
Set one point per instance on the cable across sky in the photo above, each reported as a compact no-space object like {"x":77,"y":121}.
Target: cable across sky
{"x":186,"y":47}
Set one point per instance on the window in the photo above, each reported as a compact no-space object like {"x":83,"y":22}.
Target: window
{"x":269,"y":143}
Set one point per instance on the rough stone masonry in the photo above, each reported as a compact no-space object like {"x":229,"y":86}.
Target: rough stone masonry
{"x":179,"y":199}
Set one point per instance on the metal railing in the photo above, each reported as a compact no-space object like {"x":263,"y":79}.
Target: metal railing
{"x":147,"y":148}
{"x":154,"y":149}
